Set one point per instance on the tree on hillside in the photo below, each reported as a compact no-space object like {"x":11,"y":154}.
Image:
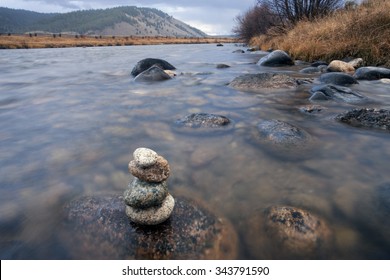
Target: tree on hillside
{"x":255,"y":21}
{"x":292,"y":11}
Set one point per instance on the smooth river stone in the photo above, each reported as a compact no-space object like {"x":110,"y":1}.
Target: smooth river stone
{"x":97,"y":227}
{"x":156,"y":173}
{"x":145,"y":157}
{"x":153,"y":215}
{"x":143,"y":194}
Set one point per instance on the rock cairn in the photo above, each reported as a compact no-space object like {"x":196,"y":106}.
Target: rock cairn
{"x":147,"y":199}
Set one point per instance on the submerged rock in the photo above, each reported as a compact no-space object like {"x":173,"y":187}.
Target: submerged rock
{"x":369,"y":118}
{"x":338,"y":93}
{"x":153,"y":74}
{"x":222,"y":66}
{"x":285,"y":232}
{"x":311,"y":70}
{"x":276,"y":58}
{"x":337,"y":78}
{"x":254,"y":82}
{"x":203,"y":123}
{"x":146,"y":63}
{"x":283,"y":139}
{"x":372,"y":73}
{"x":96,"y":227}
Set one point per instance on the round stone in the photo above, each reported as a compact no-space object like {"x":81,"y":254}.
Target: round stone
{"x":145,"y":157}
{"x":153,"y":215}
{"x":156,"y":173}
{"x":284,"y":232}
{"x":96,"y":227}
{"x":143,"y":194}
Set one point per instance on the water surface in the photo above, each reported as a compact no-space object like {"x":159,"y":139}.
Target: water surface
{"x":71,"y":118}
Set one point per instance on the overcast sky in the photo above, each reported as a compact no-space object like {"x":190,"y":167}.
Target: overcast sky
{"x":215,"y":17}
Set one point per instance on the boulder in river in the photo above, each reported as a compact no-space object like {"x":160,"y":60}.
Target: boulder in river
{"x":283,"y":139}
{"x":276,"y":58}
{"x":340,"y":66}
{"x":255,"y":82}
{"x":338,"y":93}
{"x":96,"y":227}
{"x":146,"y":63}
{"x":367,"y":117}
{"x":286,"y":232}
{"x":336,"y":78}
{"x":153,"y":74}
{"x":372,"y":73}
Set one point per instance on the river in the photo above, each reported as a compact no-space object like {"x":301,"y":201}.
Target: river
{"x":71,"y":118}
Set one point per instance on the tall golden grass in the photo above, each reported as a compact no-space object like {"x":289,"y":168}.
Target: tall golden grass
{"x":46,"y":41}
{"x":360,"y":32}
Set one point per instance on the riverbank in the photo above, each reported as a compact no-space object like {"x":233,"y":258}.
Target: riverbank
{"x":363,"y":31}
{"x":28,"y":41}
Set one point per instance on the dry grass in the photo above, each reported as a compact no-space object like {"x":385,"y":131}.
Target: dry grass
{"x":362,"y":32}
{"x":40,"y":41}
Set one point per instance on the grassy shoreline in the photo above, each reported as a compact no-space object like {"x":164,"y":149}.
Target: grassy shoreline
{"x":55,"y":41}
{"x":361,"y":32}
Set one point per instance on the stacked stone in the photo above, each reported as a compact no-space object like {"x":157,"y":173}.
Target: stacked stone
{"x":147,"y":199}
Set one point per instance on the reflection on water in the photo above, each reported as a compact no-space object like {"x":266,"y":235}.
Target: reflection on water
{"x":70,"y":119}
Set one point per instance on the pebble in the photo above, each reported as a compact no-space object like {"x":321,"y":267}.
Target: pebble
{"x":155,"y":173}
{"x":144,"y":194}
{"x":145,"y":157}
{"x":153,"y":215}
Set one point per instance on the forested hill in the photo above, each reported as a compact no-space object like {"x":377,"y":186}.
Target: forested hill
{"x":125,"y":21}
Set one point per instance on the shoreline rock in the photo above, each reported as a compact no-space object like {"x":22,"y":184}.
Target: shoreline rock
{"x":276,"y":58}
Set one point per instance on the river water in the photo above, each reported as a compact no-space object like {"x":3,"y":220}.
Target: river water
{"x":71,"y":118}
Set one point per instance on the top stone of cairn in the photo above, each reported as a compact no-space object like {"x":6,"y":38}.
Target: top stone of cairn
{"x":145,"y":157}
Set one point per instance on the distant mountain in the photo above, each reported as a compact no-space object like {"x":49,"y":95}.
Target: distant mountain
{"x":120,"y":21}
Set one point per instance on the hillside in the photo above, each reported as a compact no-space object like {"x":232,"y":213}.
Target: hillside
{"x":120,"y":21}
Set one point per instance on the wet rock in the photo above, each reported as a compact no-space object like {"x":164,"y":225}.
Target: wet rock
{"x":311,"y":109}
{"x":340,"y":66}
{"x":222,"y":66}
{"x":155,"y":173}
{"x":282,"y":133}
{"x":153,"y":74}
{"x":338,"y":93}
{"x":239,"y":51}
{"x":310,"y":70}
{"x":367,"y":117}
{"x":284,"y":232}
{"x":336,"y":78}
{"x":219,"y":45}
{"x":372,"y":73}
{"x":203,"y":123}
{"x":283,"y":139}
{"x":319,"y":63}
{"x":146,"y":63}
{"x":276,"y":58}
{"x":96,"y":227}
{"x":254,"y":82}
